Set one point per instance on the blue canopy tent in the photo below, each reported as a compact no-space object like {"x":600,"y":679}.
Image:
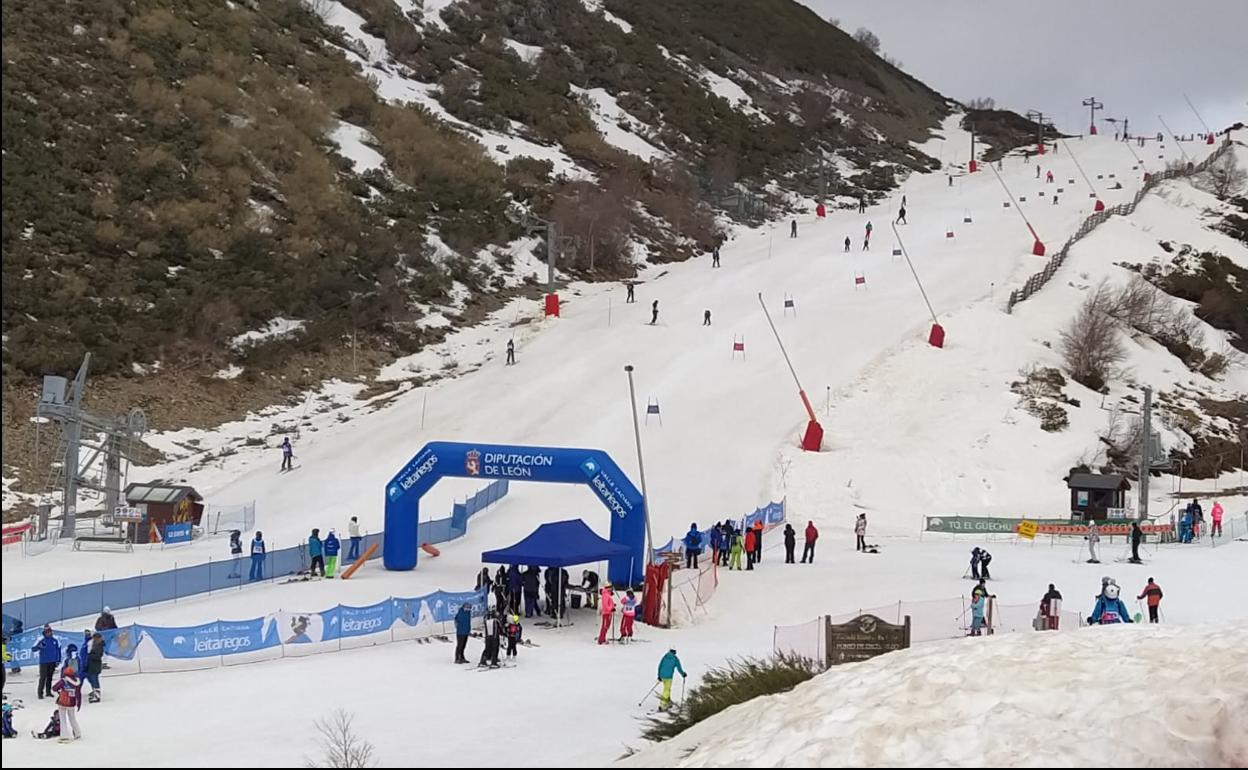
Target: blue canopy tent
{"x":558,"y":544}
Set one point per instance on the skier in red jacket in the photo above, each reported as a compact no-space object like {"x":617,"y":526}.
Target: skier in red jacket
{"x":812,"y":535}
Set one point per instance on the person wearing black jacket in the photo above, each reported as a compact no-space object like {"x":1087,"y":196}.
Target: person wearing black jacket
{"x":790,"y":542}
{"x":95,"y":664}
{"x":484,"y":582}
{"x":1051,"y":607}
{"x":589,"y":581}
{"x":1137,"y":536}
{"x":493,"y":634}
{"x":532,"y":580}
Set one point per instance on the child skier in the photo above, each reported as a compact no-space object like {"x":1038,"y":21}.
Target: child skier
{"x":749,"y":548}
{"x":628,"y":611}
{"x":1109,"y":607}
{"x":514,"y":630}
{"x":68,"y":700}
{"x":492,"y":631}
{"x":332,"y":546}
{"x":288,"y":454}
{"x":978,"y":600}
{"x":847,"y":242}
{"x":668,"y":667}
{"x":734,"y":551}
{"x":606,"y":606}
{"x":53,"y":730}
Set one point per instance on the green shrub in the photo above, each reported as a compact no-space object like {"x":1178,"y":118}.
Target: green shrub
{"x":736,"y":682}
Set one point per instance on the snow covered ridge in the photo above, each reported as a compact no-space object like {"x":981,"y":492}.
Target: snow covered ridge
{"x":1102,"y":697}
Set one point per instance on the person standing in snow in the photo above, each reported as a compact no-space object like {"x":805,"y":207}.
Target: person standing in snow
{"x":589,"y":582}
{"x":749,"y":549}
{"x":1109,"y":607}
{"x":511,"y":352}
{"x":288,"y":454}
{"x":515,"y":589}
{"x":1037,"y":171}
{"x":860,"y":531}
{"x":1215,"y":515}
{"x":236,"y":553}
{"x":668,"y":666}
{"x":513,"y":631}
{"x":1137,"y":537}
{"x":654,"y":312}
{"x":758,"y":541}
{"x":106,"y":621}
{"x":316,"y":554}
{"x":978,"y":602}
{"x":332,"y":546}
{"x":793,"y":229}
{"x":862,"y":204}
{"x":68,"y":700}
{"x":717,"y":542}
{"x":628,"y":295}
{"x":790,"y":542}
{"x":492,"y":633}
{"x":867,"y":237}
{"x":901,"y":215}
{"x":531,"y":580}
{"x":1051,"y":608}
{"x":985,"y":559}
{"x":976,"y":554}
{"x":808,"y":550}
{"x":94,"y":665}
{"x":950,"y":180}
{"x":49,"y":650}
{"x":847,"y":242}
{"x":463,"y":629}
{"x":628,"y":612}
{"x":706,"y":318}
{"x":606,"y":606}
{"x":257,"y":558}
{"x":353,"y":532}
{"x":1152,"y":592}
{"x":693,"y":546}
{"x":1093,"y":537}
{"x":734,"y":551}
{"x":1048,"y":177}
{"x":715,"y":256}
{"x":484,"y":582}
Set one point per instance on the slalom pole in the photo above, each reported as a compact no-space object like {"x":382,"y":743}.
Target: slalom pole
{"x":1099,"y":205}
{"x":1037,"y":247}
{"x":1177,"y":143}
{"x":682,"y":692}
{"x":906,"y":254}
{"x":1197,"y":114}
{"x":650,"y":692}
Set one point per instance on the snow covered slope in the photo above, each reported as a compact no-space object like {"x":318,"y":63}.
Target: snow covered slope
{"x":1120,"y":698}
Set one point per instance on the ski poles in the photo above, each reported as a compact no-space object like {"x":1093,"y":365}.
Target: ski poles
{"x":653,"y":687}
{"x":682,"y":692}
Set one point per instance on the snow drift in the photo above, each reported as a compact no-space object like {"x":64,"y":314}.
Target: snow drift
{"x":1113,"y":696}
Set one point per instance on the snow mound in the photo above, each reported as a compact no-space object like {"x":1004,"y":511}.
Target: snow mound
{"x":1115,"y":696}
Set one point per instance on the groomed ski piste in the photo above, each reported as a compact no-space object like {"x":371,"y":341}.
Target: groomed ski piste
{"x":910,"y":431}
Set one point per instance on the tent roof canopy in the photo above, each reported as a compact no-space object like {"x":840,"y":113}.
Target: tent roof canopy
{"x":557,"y":544}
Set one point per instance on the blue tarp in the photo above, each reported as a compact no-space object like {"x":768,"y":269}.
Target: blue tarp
{"x":558,"y":544}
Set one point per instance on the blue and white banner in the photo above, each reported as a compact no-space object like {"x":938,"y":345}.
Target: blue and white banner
{"x":178,"y":533}
{"x":225,"y":637}
{"x":358,"y":621}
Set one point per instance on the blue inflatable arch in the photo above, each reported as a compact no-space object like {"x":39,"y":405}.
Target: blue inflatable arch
{"x":559,"y":465}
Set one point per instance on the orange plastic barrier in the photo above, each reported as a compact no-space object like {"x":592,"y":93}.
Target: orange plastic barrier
{"x":360,"y":561}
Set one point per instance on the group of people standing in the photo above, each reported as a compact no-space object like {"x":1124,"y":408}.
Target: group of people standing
{"x":1191,"y":526}
{"x":510,"y":588}
{"x":322,"y":553}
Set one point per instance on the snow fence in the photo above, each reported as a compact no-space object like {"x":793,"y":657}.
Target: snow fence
{"x":140,"y":648}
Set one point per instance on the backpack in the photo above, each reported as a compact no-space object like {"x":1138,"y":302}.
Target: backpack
{"x":65,"y":697}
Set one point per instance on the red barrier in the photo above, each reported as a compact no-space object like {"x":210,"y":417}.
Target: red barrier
{"x":552,"y":305}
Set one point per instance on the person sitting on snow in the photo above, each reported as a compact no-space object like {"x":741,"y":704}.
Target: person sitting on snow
{"x":1109,"y":607}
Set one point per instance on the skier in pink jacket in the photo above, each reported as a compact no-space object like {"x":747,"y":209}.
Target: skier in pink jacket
{"x":1215,"y":514}
{"x":606,"y":605}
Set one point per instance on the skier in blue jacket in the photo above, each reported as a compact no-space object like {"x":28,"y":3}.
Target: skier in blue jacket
{"x":316,"y":554}
{"x":332,"y":546}
{"x":49,"y":650}
{"x":257,"y":557}
{"x":463,"y":628}
{"x":1109,"y":607}
{"x":717,"y":541}
{"x":668,"y":667}
{"x":693,"y":546}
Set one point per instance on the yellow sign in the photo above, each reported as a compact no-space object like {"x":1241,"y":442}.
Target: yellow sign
{"x":1027,"y":529}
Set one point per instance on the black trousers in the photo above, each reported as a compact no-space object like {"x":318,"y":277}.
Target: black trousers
{"x":1135,"y":552}
{"x":758,"y":547}
{"x":862,"y":543}
{"x":318,"y":560}
{"x":46,"y":670}
{"x":983,"y":571}
{"x":1152,"y":613}
{"x":461,"y":643}
{"x":749,"y":560}
{"x":788,"y":552}
{"x":287,"y":462}
{"x":511,"y":647}
{"x":489,"y":656}
{"x":808,"y":552}
{"x":691,"y":559}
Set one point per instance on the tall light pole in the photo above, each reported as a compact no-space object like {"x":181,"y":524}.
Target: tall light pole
{"x":641,"y":466}
{"x":1093,"y":105}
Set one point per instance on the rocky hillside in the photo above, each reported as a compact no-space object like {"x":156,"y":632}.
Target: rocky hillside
{"x":226,"y":201}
